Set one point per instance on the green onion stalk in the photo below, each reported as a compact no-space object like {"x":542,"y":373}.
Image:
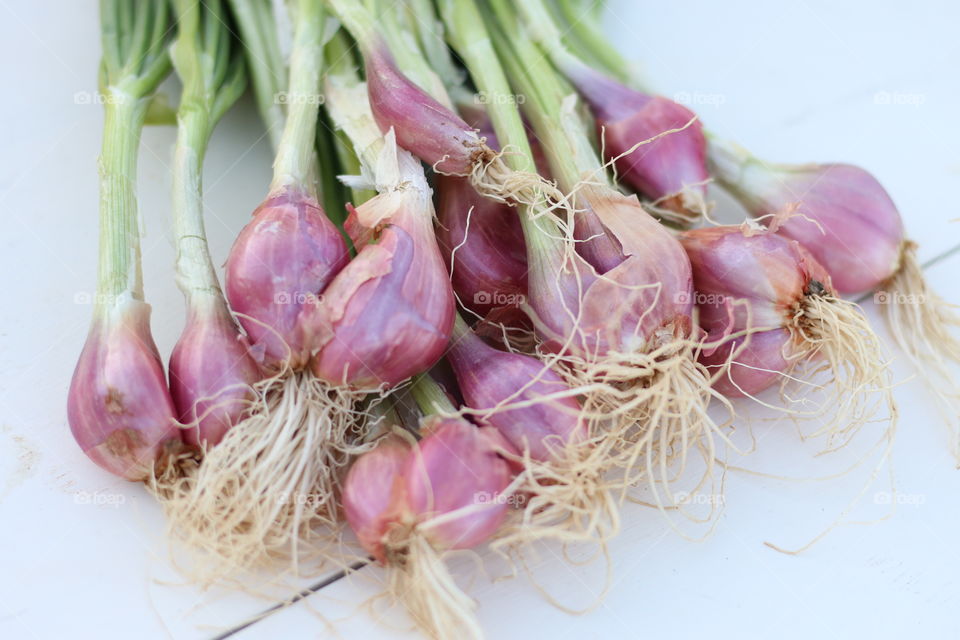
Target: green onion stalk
{"x":258,"y":33}
{"x":119,"y":407}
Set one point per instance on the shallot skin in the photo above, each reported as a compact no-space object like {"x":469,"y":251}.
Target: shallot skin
{"x":423,"y":126}
{"x":211,"y":374}
{"x":770,"y":274}
{"x":844,"y":217}
{"x":119,"y":409}
{"x":393,"y":488}
{"x":488,"y":377}
{"x":457,"y":466}
{"x":482,"y":243}
{"x":277,"y":269}
{"x":389,"y":314}
{"x":373,"y":493}
{"x":638,"y":304}
{"x":664,"y":169}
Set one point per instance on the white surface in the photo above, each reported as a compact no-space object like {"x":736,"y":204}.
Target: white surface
{"x":793,"y":81}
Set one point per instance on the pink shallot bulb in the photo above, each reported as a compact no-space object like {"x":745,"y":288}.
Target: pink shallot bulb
{"x":423,"y":126}
{"x":373,"y":493}
{"x":211,"y":372}
{"x":841,"y":213}
{"x":637,"y":305}
{"x":277,"y":268}
{"x":119,"y":408}
{"x":772,"y":275}
{"x":489,"y":378}
{"x":457,"y":466}
{"x":394,"y":488}
{"x":388,"y":314}
{"x":483,"y":240}
{"x":671,"y":170}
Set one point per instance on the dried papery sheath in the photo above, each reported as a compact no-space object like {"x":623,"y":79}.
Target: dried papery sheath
{"x":118,"y":406}
{"x":848,"y":221}
{"x":780,"y":303}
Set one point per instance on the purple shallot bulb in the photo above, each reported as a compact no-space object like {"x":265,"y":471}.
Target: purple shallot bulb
{"x":211,"y":373}
{"x":278,"y":267}
{"x":119,"y":407}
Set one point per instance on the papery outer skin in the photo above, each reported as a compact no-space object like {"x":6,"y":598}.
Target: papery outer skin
{"x":389,"y":314}
{"x":424,"y":127}
{"x":211,"y":372}
{"x":862,"y":231}
{"x":488,"y":377}
{"x":373,"y":493}
{"x":645,"y":300}
{"x":490,"y":267}
{"x":119,"y":408}
{"x":276,"y":271}
{"x":457,"y":466}
{"x":771,"y":274}
{"x":662,"y":169}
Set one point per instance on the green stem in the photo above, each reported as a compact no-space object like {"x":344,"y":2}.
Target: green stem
{"x":429,"y":30}
{"x":358,"y":21}
{"x":583,"y":29}
{"x":471,"y":39}
{"x":430,"y":397}
{"x":119,"y":264}
{"x":195,"y":271}
{"x":295,"y":164}
{"x":265,"y":63}
{"x":213,"y":79}
{"x":563,"y":136}
{"x":403,"y":45}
